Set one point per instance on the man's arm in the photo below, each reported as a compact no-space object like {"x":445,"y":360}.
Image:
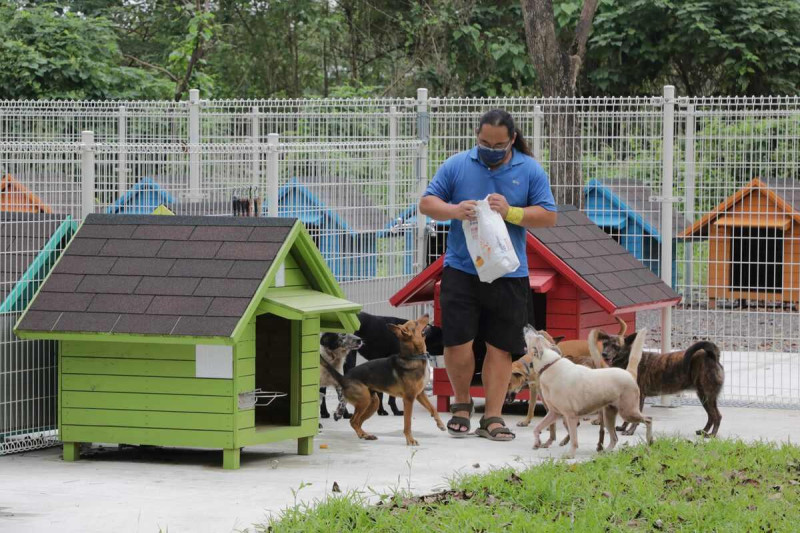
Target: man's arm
{"x":438,"y":209}
{"x":538,"y":217}
{"x":533,"y":216}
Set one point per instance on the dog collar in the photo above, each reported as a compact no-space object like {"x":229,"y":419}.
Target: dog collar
{"x":545,"y":367}
{"x":419,"y":357}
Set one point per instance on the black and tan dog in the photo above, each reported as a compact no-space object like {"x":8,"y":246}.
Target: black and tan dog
{"x":697,"y":368}
{"x":401,"y":375}
{"x":333,"y":348}
{"x":379,"y":341}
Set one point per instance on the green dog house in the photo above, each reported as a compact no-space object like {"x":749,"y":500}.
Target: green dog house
{"x":175,"y":330}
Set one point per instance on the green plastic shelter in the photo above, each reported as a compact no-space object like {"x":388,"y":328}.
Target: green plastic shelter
{"x":188,"y":331}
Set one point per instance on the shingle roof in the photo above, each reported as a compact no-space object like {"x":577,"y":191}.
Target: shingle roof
{"x":636,"y":197}
{"x":22,"y":237}
{"x":158,"y":275}
{"x":605,"y":265}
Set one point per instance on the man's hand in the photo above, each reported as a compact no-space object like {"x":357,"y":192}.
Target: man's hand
{"x":466,"y":210}
{"x":498,"y":203}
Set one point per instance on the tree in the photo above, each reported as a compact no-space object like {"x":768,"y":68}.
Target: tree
{"x":47,"y":53}
{"x":704,"y":48}
{"x":558,"y":60}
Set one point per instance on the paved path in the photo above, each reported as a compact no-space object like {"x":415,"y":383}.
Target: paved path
{"x":131,"y":490}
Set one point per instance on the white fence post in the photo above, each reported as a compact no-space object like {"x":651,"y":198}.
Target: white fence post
{"x":668,"y":129}
{"x":194,"y":142}
{"x":393,"y":207}
{"x":122,"y":156}
{"x":423,"y":130}
{"x":255,"y":138}
{"x":87,"y":173}
{"x":689,"y":185}
{"x":538,"y":118}
{"x":272,"y":174}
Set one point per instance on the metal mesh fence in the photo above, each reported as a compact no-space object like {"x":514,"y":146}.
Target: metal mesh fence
{"x":710,"y":182}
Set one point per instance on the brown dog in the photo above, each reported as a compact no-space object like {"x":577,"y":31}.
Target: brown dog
{"x":401,"y":375}
{"x":697,"y":368}
{"x":576,"y":351}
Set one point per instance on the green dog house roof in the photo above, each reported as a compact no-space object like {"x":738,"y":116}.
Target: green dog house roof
{"x":182,"y":279}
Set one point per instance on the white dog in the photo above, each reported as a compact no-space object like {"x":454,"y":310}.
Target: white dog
{"x":572,"y":391}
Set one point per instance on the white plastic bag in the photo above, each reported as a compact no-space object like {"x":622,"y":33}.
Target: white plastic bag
{"x":489,"y":244}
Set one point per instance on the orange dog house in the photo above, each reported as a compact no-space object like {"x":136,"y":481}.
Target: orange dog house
{"x":754,"y":243}
{"x":17,"y":198}
{"x":580,"y":279}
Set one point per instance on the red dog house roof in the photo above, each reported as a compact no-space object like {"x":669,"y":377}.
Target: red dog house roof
{"x":581,"y":252}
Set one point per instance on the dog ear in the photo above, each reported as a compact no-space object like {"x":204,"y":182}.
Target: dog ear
{"x":399,"y":330}
{"x":632,"y":337}
{"x":557,"y":340}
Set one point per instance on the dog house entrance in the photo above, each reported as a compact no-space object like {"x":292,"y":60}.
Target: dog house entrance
{"x":273,"y":369}
{"x":757,"y":259}
{"x":537,"y":310}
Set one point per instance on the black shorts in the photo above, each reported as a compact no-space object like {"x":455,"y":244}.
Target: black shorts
{"x":495,"y":312}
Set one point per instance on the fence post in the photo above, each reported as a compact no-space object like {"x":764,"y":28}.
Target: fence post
{"x":87,"y":173}
{"x":423,"y":131}
{"x":255,"y":139}
{"x":194,"y":149}
{"x":272,"y":174}
{"x":689,"y":184}
{"x":668,"y":129}
{"x":538,"y":118}
{"x":122,"y":157}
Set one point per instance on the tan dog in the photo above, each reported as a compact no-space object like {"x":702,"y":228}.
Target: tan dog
{"x":571,"y":391}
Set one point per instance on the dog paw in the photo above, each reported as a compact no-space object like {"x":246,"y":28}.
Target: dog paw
{"x":622,"y":428}
{"x":412,"y":442}
{"x":397,"y":413}
{"x":524,"y":423}
{"x":629,"y":432}
{"x":383,"y":413}
{"x":595,"y":422}
{"x":547,"y":444}
{"x":347,"y":416}
{"x":324,"y":415}
{"x":599,"y":447}
{"x":367,"y":436}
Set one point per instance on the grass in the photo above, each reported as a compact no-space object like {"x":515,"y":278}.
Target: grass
{"x":675,"y":485}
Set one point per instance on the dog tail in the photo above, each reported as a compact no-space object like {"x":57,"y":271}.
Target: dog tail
{"x":636,"y":354}
{"x":597,"y":357}
{"x":623,"y":326}
{"x":709,"y":349}
{"x":333,"y":372}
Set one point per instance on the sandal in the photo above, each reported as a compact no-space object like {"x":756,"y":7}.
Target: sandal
{"x":460,"y":420}
{"x":483,"y":430}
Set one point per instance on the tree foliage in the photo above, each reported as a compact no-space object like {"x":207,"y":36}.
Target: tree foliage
{"x":309,"y":48}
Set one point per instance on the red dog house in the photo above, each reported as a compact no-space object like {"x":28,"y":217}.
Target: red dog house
{"x":580,"y":279}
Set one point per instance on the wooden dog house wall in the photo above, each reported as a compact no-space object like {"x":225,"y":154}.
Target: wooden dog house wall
{"x":754,"y":243}
{"x":580,"y":279}
{"x":167,"y":326}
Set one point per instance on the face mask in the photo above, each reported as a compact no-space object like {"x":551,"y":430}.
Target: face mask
{"x":492,"y":156}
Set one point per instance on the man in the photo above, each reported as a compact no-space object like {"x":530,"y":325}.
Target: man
{"x":501,"y":167}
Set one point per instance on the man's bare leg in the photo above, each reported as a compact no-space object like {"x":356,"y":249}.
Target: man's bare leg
{"x":495,"y":376}
{"x":460,"y":363}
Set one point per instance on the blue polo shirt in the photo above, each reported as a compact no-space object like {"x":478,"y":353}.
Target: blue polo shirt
{"x":464,"y":176}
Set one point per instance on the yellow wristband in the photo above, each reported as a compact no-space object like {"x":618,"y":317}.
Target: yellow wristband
{"x":515,"y":215}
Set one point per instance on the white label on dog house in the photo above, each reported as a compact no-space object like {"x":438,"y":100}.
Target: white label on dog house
{"x":213,"y":361}
{"x":280,"y":276}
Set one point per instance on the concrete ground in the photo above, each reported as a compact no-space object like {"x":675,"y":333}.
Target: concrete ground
{"x":147,"y":490}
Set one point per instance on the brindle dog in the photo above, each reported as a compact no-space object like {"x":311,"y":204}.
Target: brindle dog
{"x":402,"y":375}
{"x":697,"y":368}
